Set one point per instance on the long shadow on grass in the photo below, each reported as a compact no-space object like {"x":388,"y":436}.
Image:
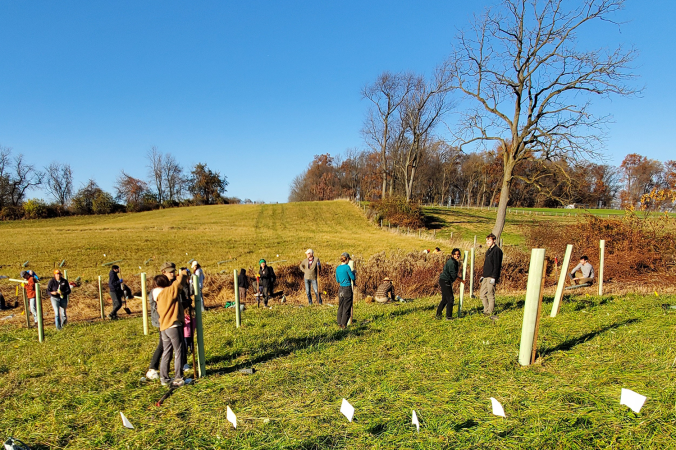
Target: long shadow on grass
{"x":571,"y":343}
{"x":285,"y":347}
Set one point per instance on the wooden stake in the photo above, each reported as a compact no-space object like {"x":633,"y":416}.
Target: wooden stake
{"x":144,"y":303}
{"x":38,"y":307}
{"x":199,"y":342}
{"x":238,"y":318}
{"x":602,"y":245}
{"x":462,"y":285}
{"x":537,"y":319}
{"x":101,"y":298}
{"x":562,"y":281}
{"x":471,"y":271}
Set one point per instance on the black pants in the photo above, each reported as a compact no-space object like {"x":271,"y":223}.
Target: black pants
{"x":157,"y":356}
{"x":447,"y":299}
{"x":267,"y":292}
{"x":117,"y":301}
{"x":344,"y":304}
{"x":2,"y":301}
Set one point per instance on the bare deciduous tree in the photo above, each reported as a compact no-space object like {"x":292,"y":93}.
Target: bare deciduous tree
{"x":173,"y":178}
{"x":529,"y":84}
{"x":156,"y":172}
{"x":16,"y":178}
{"x":60,"y":182}
{"x":387,"y":94}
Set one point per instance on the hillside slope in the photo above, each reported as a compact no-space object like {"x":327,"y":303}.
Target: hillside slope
{"x":240,"y":233}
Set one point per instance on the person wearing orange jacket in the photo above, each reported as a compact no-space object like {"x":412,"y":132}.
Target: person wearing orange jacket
{"x":29,"y":276}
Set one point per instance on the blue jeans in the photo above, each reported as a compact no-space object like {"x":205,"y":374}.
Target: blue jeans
{"x":315,"y":288}
{"x":59,"y":306}
{"x":34,"y":311}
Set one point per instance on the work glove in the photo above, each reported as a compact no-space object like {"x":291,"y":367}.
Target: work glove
{"x":491,"y":280}
{"x":121,"y":280}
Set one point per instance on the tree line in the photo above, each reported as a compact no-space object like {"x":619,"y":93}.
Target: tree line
{"x":447,"y":176}
{"x":167,"y":184}
{"x":514,"y":99}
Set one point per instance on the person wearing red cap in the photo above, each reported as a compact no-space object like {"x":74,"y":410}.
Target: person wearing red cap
{"x":59,"y":290}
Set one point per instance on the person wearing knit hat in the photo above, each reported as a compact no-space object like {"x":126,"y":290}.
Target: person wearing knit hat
{"x":385,"y":291}
{"x":268,"y":278}
{"x":310,"y":267}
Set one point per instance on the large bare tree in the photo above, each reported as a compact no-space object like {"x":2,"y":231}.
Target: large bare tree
{"x":60,"y":182}
{"x":156,"y":172}
{"x":387,"y":94}
{"x":16,"y":178}
{"x":420,"y":113}
{"x":528,"y":83}
{"x":174,"y":178}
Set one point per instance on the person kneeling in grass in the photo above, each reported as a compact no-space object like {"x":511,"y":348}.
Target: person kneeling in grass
{"x":171,"y":315}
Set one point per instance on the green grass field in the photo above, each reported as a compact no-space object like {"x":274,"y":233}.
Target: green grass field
{"x":240,"y":234}
{"x":68,"y":392}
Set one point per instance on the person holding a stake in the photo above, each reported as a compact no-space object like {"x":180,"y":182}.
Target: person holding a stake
{"x":448,"y":276}
{"x":491,"y":275}
{"x":115,"y":288}
{"x":59,"y":290}
{"x":345,"y":276}
{"x":172,"y":319}
{"x":310,"y":267}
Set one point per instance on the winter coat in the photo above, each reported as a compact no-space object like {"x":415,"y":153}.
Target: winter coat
{"x":450,"y":272}
{"x":268,"y":277}
{"x":54,"y":285}
{"x":310,"y":271}
{"x":243,"y":280}
{"x":114,"y":283}
{"x":493,"y":263}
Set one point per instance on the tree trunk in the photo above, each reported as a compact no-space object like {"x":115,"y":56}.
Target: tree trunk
{"x":504,"y":199}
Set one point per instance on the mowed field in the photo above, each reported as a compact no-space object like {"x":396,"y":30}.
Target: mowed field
{"x":239,"y":234}
{"x":68,"y":392}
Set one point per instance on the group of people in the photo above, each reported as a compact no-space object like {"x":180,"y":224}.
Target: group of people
{"x":490,"y":278}
{"x":58,"y":289}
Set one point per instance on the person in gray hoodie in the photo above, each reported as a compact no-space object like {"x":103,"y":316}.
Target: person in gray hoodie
{"x":310,"y":267}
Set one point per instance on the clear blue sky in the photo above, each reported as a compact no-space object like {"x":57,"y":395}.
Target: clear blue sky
{"x":254,"y":88}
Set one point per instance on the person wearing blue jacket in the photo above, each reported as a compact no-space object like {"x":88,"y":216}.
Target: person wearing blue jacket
{"x":115,"y":286}
{"x":345,"y":277}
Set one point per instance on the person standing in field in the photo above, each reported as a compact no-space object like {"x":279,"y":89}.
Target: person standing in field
{"x":310,"y":267}
{"x":243,"y":284}
{"x":491,"y":275}
{"x":172,"y":319}
{"x":30,"y":292}
{"x":586,"y":269}
{"x":268,"y":278}
{"x":161,"y":282}
{"x":345,"y":276}
{"x":115,"y":288}
{"x":448,"y":275}
{"x":59,"y":289}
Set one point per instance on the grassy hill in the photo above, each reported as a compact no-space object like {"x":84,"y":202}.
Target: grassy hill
{"x":69,"y":392}
{"x":241,"y":234}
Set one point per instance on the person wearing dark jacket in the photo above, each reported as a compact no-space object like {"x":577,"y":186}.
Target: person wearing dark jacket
{"x":268,"y":278}
{"x":448,"y":275}
{"x":59,"y":290}
{"x":116,"y":293}
{"x":491,"y":275}
{"x":243,"y":284}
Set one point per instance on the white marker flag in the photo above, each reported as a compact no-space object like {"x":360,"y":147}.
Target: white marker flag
{"x":497,"y":408}
{"x":125,"y":422}
{"x":347,"y":410}
{"x":632,"y":400}
{"x":414,"y":421}
{"x":232,"y":418}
